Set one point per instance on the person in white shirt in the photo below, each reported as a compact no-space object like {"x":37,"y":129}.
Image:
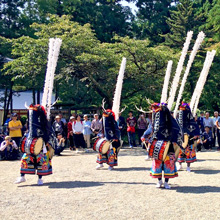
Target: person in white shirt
{"x":87,"y":130}
{"x":9,"y":149}
{"x":78,"y":133}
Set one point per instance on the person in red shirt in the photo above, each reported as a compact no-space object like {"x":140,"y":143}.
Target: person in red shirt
{"x":131,"y":123}
{"x":70,"y":133}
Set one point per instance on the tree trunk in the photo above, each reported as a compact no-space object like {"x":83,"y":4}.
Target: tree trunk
{"x":5,"y":103}
{"x":34,"y":97}
{"x":38,"y":96}
{"x":11,"y":97}
{"x":6,"y":110}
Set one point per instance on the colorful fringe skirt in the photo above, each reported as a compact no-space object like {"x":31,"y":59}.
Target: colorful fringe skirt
{"x":40,"y":163}
{"x":111,"y":158}
{"x":168,"y":166}
{"x":189,"y":156}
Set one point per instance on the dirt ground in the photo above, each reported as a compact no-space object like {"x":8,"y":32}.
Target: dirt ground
{"x":77,"y":191}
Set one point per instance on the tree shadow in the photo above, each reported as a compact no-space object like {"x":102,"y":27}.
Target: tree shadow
{"x":208,"y":172}
{"x":132,"y":169}
{"x":202,"y":160}
{"x":196,"y":189}
{"x":81,"y":184}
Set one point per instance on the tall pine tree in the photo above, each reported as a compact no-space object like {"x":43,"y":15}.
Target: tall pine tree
{"x":151,"y":19}
{"x":180,"y":22}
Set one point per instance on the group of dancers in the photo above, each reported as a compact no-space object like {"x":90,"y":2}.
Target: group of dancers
{"x":169,"y":138}
{"x":164,"y":138}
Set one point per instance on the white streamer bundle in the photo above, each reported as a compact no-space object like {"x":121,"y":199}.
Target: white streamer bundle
{"x":179,"y":70}
{"x":198,"y":84}
{"x":48,"y":72}
{"x":166,"y":82}
{"x":118,"y":89}
{"x":54,"y":50}
{"x":205,"y":73}
{"x":196,"y":47}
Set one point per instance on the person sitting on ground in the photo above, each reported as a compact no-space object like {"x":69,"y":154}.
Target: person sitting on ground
{"x":207,"y":140}
{"x":60,"y":145}
{"x":9,"y":149}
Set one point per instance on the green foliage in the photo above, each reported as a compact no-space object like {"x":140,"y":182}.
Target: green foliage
{"x":151,"y":19}
{"x":96,"y":35}
{"x":180,"y":22}
{"x":87,"y":64}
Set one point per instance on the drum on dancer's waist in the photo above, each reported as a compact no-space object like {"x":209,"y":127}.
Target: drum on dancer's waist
{"x":101,"y":145}
{"x":186,"y":140}
{"x":159,"y":149}
{"x":176,"y":150}
{"x":32,"y":145}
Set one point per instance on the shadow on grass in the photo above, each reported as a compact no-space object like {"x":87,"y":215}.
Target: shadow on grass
{"x":82,"y":184}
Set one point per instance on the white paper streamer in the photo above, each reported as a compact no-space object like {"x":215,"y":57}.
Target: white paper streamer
{"x":54,"y":49}
{"x":198,"y":84}
{"x":211,"y":56}
{"x":196,"y":47}
{"x":48,"y":72}
{"x":179,"y":68}
{"x":118,"y":89}
{"x":166,"y":82}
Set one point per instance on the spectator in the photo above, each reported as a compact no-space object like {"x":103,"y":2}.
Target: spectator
{"x":207,"y":121}
{"x":121,"y":124}
{"x":200,"y":122}
{"x":70,"y":132}
{"x":60,"y":144}
{"x":58,"y":125}
{"x":96,"y":125}
{"x":62,"y":119}
{"x":131,"y":123}
{"x":206,"y":140}
{"x":9,"y":149}
{"x":74,"y":114}
{"x":142,"y":125}
{"x":78,"y":133}
{"x":87,"y":130}
{"x":15,"y":127}
{"x":24,"y":128}
{"x":64,"y":123}
{"x":217,"y":124}
{"x":216,"y":132}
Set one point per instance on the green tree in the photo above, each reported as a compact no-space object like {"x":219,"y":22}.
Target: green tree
{"x":92,"y":64}
{"x":151,"y":19}
{"x":9,"y":17}
{"x":180,"y":22}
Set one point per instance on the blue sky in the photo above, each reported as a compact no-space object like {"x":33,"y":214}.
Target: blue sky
{"x":131,"y":5}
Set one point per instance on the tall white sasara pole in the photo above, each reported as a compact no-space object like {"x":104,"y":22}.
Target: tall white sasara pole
{"x":166,"y":82}
{"x":57,"y":46}
{"x":179,"y":68}
{"x":118,"y":89}
{"x":206,"y":72}
{"x":196,"y":47}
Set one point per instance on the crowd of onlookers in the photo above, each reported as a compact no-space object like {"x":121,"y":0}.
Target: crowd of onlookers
{"x":210,"y":131}
{"x":77,"y":133}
